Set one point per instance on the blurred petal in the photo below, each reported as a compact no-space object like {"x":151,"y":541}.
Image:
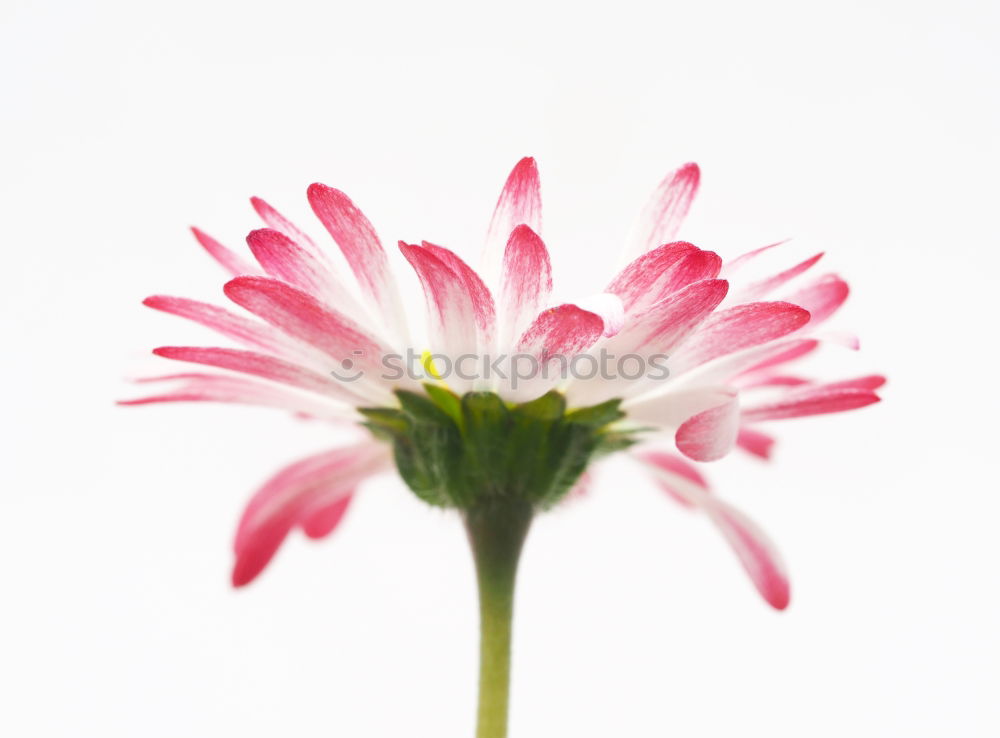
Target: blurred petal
{"x":294,"y":496}
{"x":759,"y":557}
{"x":666,"y":209}
{"x":791,"y":351}
{"x":743,"y":259}
{"x":669,"y":410}
{"x":755,"y":442}
{"x":867,"y":382}
{"x":812,"y":400}
{"x":322,"y":521}
{"x":711,"y":434}
{"x":759,"y":381}
{"x":763,"y":287}
{"x":200,"y":387}
{"x":675,"y":476}
{"x":755,"y":551}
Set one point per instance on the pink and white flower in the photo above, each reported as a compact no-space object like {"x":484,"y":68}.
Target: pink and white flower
{"x":729,"y":338}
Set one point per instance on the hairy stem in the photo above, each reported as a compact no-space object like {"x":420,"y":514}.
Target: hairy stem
{"x":497,"y":529}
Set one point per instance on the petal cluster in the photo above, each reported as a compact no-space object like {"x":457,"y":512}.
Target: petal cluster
{"x":313,"y":341}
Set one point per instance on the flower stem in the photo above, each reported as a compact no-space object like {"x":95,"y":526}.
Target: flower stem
{"x":497,"y":529}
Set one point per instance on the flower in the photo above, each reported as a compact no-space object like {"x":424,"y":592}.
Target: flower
{"x":316,"y":346}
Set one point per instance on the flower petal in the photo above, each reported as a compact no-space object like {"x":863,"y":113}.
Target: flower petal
{"x":293,"y":496}
{"x":259,"y":365}
{"x":792,"y":350}
{"x":283,"y":258}
{"x":755,"y":442}
{"x":763,"y":287}
{"x":551,"y":342}
{"x":675,"y":476}
{"x":483,"y":309}
{"x":670,"y":410}
{"x":520,"y":203}
{"x":666,"y":209}
{"x":224,"y":388}
{"x":758,"y":381}
{"x":822,"y":298}
{"x":812,"y":400}
{"x":219,"y":319}
{"x":525,"y":285}
{"x":302,"y":316}
{"x":278,"y":222}
{"x":759,"y":557}
{"x":449,"y":305}
{"x":670,"y":321}
{"x":755,"y":551}
{"x":711,"y":434}
{"x":562,"y":330}
{"x":609,"y":307}
{"x":230,"y":261}
{"x":652,"y":338}
{"x":361,"y":247}
{"x":731,"y":367}
{"x":867,"y":382}
{"x":659,"y":273}
{"x":738,"y":328}
{"x":322,"y":521}
{"x":730,"y":267}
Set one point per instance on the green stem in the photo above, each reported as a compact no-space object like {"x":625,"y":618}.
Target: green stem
{"x":497,"y":530}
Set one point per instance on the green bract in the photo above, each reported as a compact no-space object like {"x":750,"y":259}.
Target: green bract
{"x":460,"y":451}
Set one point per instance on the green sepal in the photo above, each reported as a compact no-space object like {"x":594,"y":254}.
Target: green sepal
{"x":461,"y":451}
{"x":597,"y":415}
{"x":385,"y":423}
{"x":446,"y":400}
{"x":615,"y":441}
{"x":421,"y":408}
{"x":550,"y":406}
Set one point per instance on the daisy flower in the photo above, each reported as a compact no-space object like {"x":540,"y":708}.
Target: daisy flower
{"x":502,"y":410}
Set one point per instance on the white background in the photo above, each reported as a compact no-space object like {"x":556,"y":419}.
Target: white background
{"x":865,"y":128}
